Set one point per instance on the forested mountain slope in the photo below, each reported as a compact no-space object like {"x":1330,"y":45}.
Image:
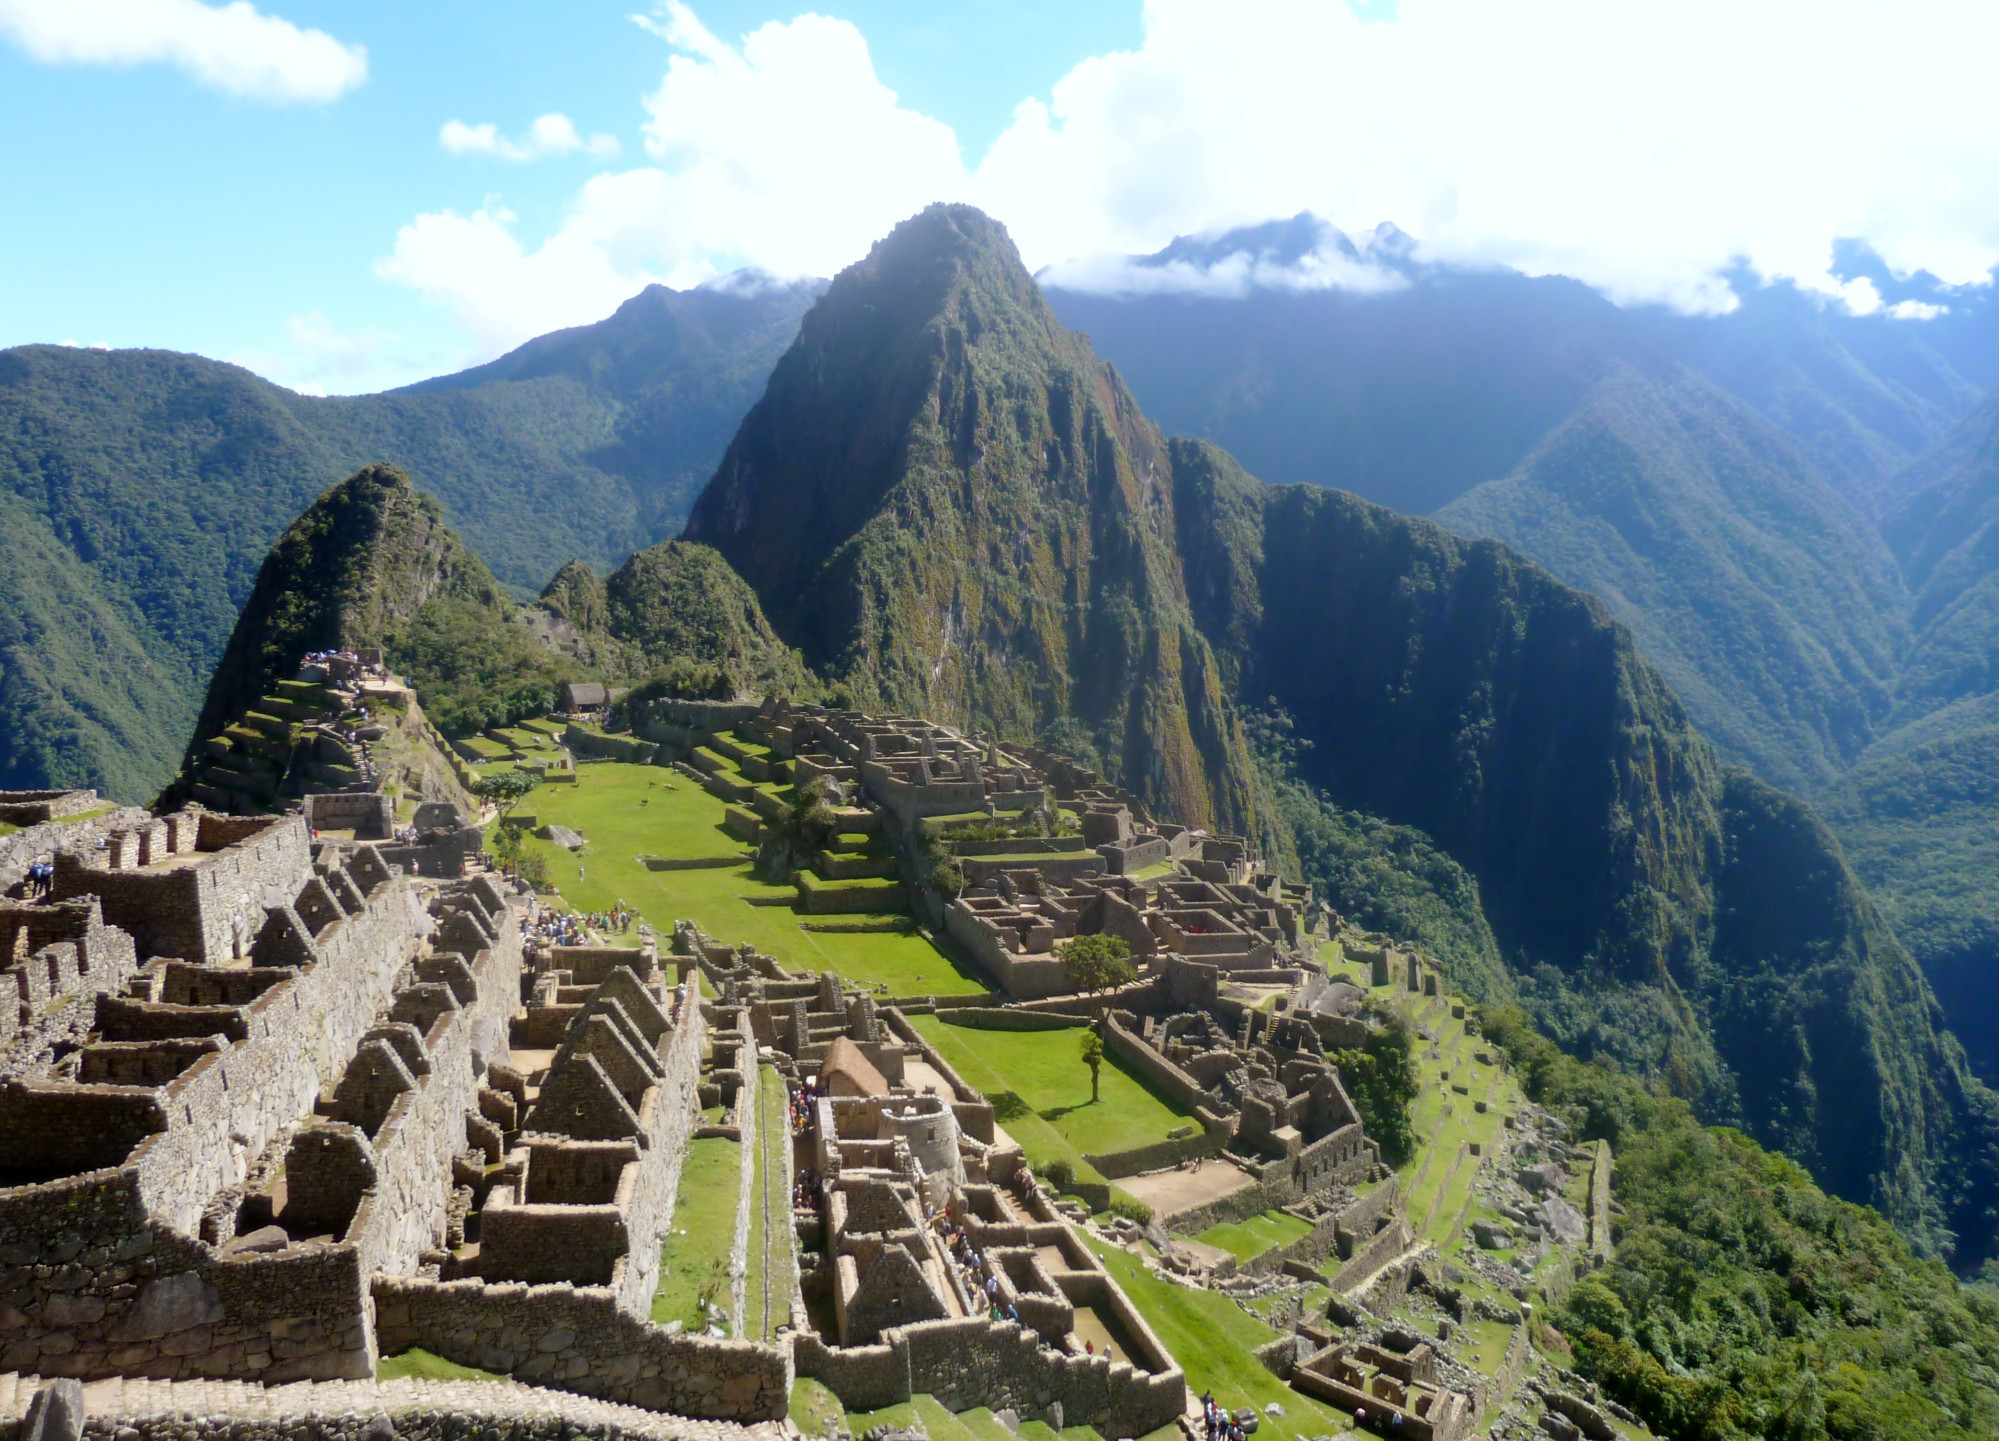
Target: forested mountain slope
{"x":146,"y":486}
{"x":1761,"y":591}
{"x":949,"y":503}
{"x":946,"y":500}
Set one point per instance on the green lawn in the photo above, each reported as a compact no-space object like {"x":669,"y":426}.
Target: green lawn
{"x":770,"y":1249}
{"x":1044,"y":1070}
{"x":1246,"y":1240}
{"x":417,"y":1364}
{"x":624,"y":811}
{"x":1212,"y":1338}
{"x":695,"y":1255}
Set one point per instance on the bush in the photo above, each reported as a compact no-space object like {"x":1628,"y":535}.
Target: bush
{"x":1059,"y":1174}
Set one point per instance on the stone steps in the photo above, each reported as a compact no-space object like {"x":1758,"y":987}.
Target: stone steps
{"x":122,"y":1400}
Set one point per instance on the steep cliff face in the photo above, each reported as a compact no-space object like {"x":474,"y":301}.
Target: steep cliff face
{"x":362,"y":561}
{"x":946,"y":498}
{"x":1698,"y":923}
{"x":947,"y":501}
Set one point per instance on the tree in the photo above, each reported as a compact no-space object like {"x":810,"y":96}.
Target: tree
{"x":804,"y":829}
{"x":506,"y":788}
{"x":1093,"y":1057}
{"x":1380,"y":1079}
{"x":1098,"y":963}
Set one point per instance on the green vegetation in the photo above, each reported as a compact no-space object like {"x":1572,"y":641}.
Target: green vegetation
{"x":1650,"y":883}
{"x":1387,"y":878}
{"x":625,"y":812}
{"x":1091,"y":1052}
{"x":417,"y":1364}
{"x":1761,"y":592}
{"x":1098,"y":963}
{"x":140,"y":490}
{"x":694,"y":1257}
{"x":506,"y":790}
{"x":1918,"y":816}
{"x":1744,"y":1301}
{"x":1052,"y":1114}
{"x":933,"y":371}
{"x":771,"y":1235}
{"x":1214,"y":1339}
{"x":1380,"y":1079}
{"x":1246,"y":1240}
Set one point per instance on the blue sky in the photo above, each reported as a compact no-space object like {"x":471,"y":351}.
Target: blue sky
{"x":153,"y":210}
{"x":274,"y":186}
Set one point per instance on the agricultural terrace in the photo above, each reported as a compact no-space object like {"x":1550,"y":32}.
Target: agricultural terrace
{"x":626,"y":813}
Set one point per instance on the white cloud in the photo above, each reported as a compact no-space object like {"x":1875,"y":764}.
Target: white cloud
{"x":1644,"y":147}
{"x":552,"y":134}
{"x":234,"y":48}
{"x":785,"y":152}
{"x":318,"y":358}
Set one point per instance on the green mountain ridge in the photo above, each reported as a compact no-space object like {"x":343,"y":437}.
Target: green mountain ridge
{"x":153,"y":484}
{"x":1760,"y":591}
{"x":947,"y":502}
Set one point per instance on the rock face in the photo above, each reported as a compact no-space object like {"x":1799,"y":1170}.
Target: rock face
{"x":947,"y":500}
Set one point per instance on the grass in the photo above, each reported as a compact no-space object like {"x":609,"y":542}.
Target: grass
{"x":680,"y":821}
{"x":1213,"y":1340}
{"x":770,"y":1246}
{"x":694,"y":1257}
{"x":1246,"y":1240}
{"x":1043,"y":1069}
{"x":815,"y":1410}
{"x":417,"y":1364}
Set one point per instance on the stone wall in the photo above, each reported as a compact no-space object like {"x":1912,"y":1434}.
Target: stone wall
{"x":112,"y":1276}
{"x":578,"y":1339}
{"x":974,"y":1362}
{"x":23,"y":848}
{"x":1599,"y":1202}
{"x":371,"y":815}
{"x":209,"y":911}
{"x":1007,"y":1018}
{"x":595,"y":744}
{"x":1387,"y":1243}
{"x":33,"y":808}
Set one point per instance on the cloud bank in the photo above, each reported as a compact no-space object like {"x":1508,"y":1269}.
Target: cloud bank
{"x":233,"y":48}
{"x":1645,"y":148}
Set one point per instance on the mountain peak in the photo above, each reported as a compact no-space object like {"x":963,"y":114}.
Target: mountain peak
{"x":947,"y":499}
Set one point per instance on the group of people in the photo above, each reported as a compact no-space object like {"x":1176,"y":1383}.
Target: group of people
{"x":977,"y":1274}
{"x":801,"y":1105}
{"x":1221,"y":1425}
{"x":575,"y":928}
{"x":41,"y":879}
{"x":804,"y":1195}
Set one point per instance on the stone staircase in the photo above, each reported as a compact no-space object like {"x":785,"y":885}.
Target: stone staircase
{"x":339,"y":1407}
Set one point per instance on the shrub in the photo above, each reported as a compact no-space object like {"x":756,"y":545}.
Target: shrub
{"x":1130,"y":1207}
{"x":1059,"y":1174}
{"x":1098,"y":963}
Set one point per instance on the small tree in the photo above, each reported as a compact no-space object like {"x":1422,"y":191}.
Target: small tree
{"x":1098,"y":963}
{"x":1093,"y":1057}
{"x":505,"y":789}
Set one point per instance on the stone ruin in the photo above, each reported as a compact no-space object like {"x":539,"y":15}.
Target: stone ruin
{"x":273,"y":1108}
